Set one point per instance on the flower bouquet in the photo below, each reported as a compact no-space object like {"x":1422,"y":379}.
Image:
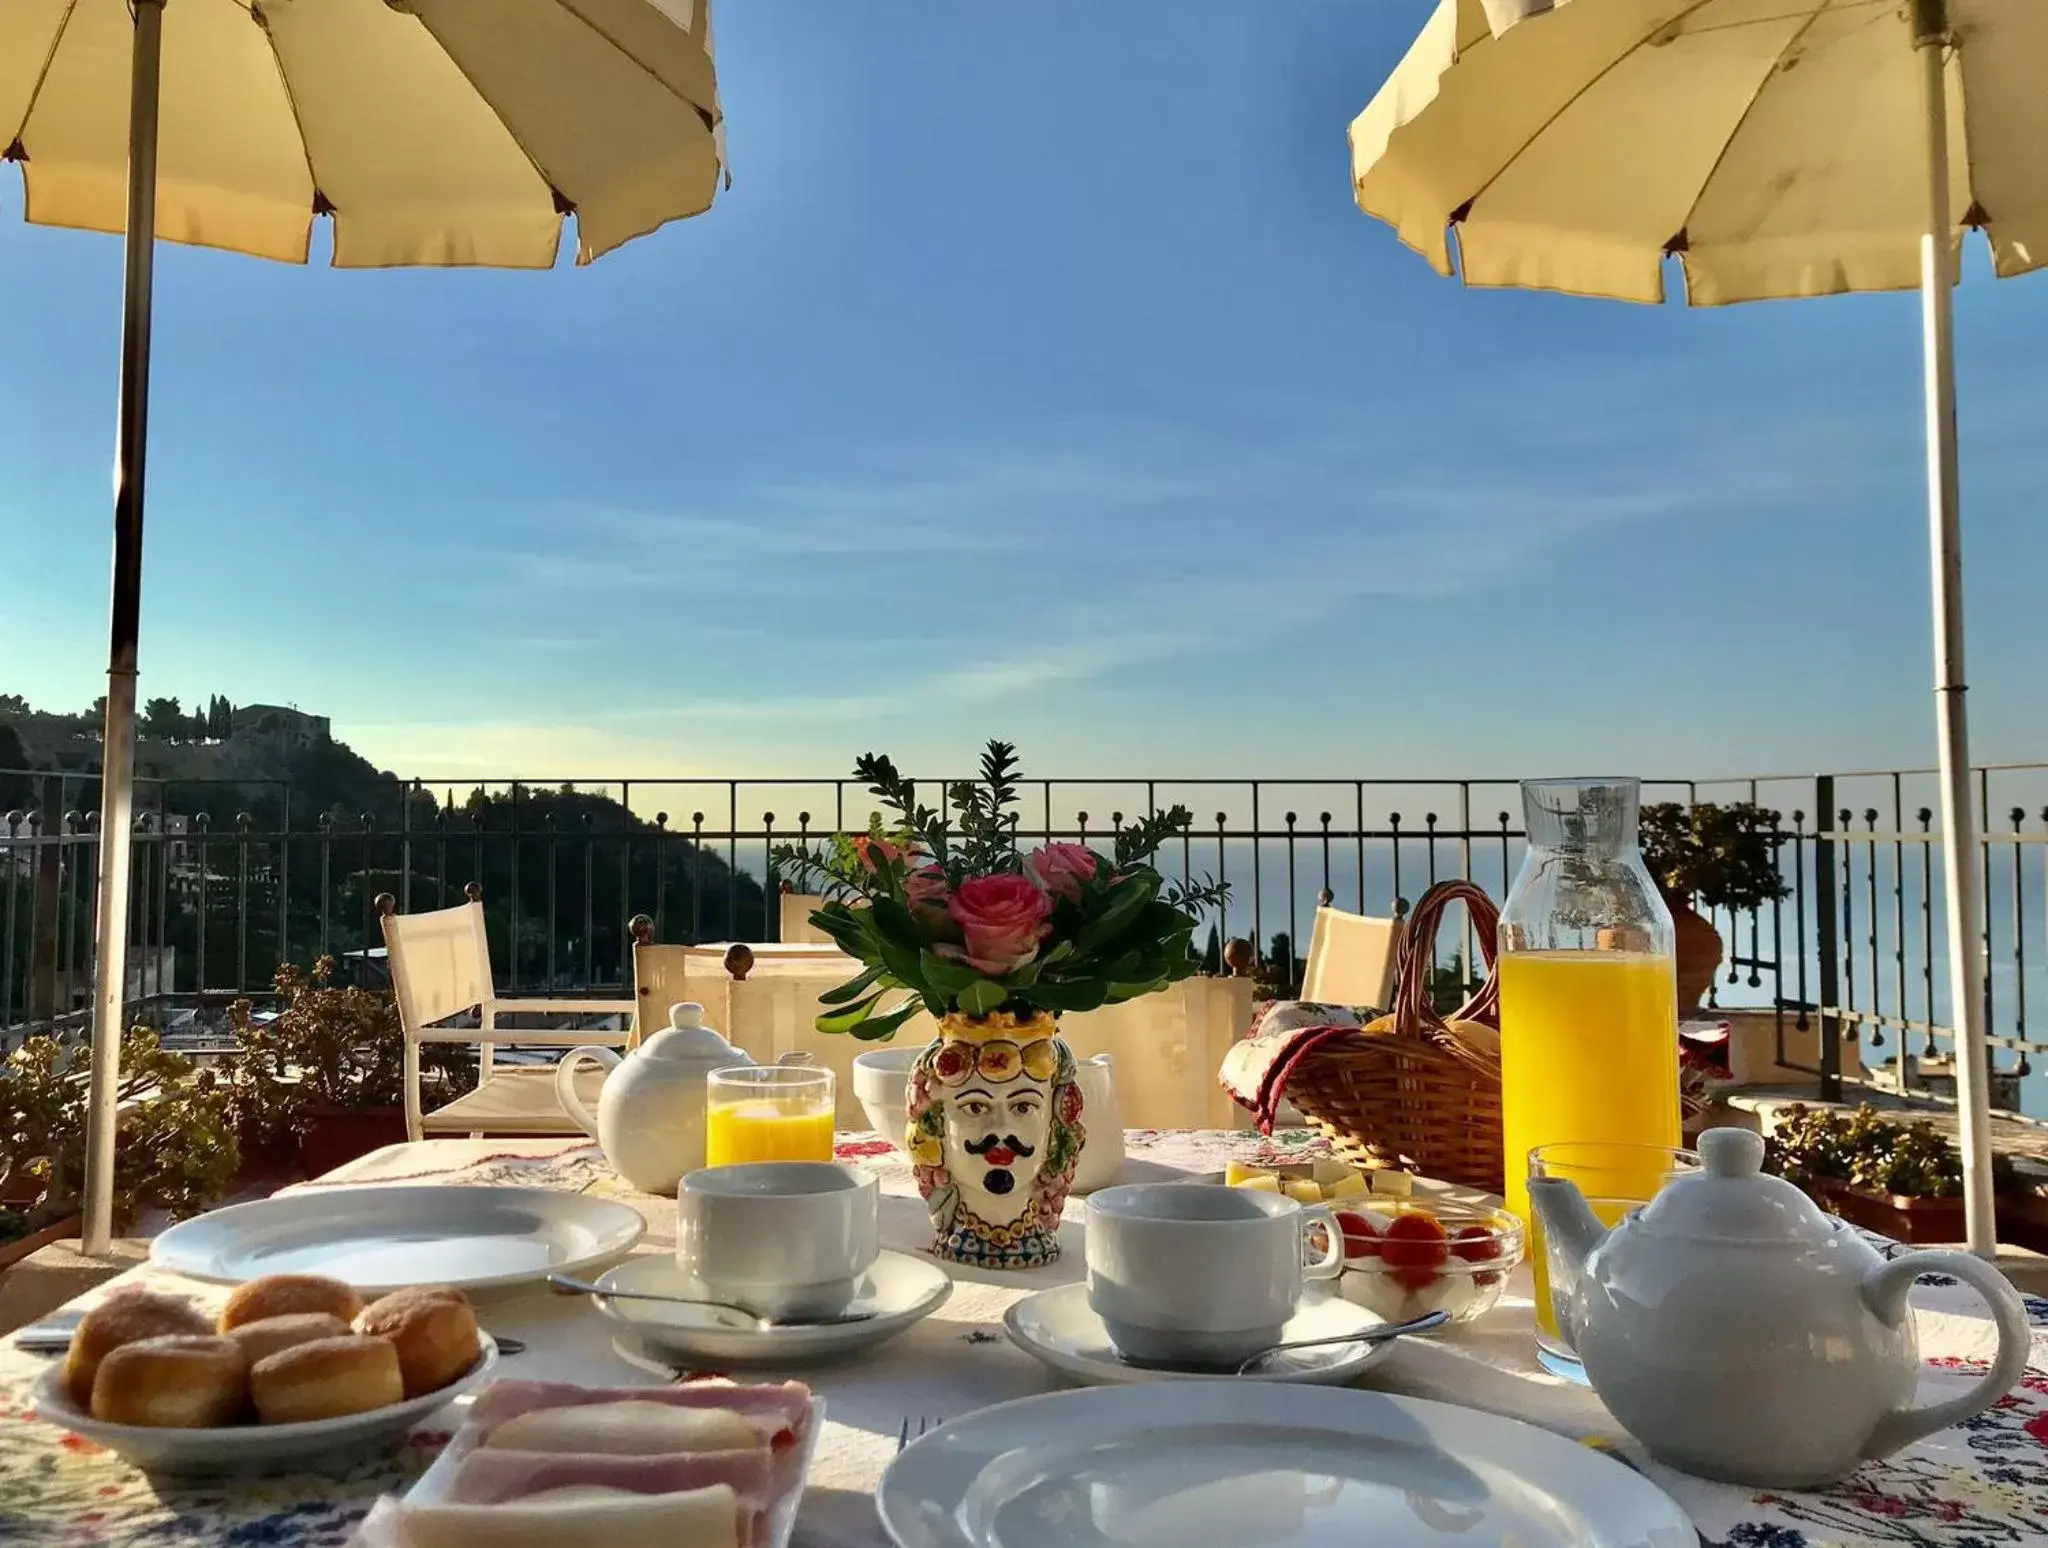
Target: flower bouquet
{"x":947,"y":913}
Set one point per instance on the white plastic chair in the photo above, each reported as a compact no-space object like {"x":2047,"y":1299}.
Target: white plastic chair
{"x":441,"y":968}
{"x":1351,"y":960}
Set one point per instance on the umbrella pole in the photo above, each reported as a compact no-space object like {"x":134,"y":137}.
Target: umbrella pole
{"x":117,"y":751}
{"x":1958,"y":809}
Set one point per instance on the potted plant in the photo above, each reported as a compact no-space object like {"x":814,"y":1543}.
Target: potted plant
{"x":325,"y":1074}
{"x":1902,"y":1179}
{"x":1718,"y":857}
{"x":175,"y":1149}
{"x":946,"y":913}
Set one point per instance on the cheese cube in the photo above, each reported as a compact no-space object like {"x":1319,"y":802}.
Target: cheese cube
{"x":1394,"y":1184}
{"x":1303,"y":1191}
{"x":1238,"y":1173}
{"x":1349,"y":1186}
{"x":1261,"y":1184}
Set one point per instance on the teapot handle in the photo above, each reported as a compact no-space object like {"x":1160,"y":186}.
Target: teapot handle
{"x":565,"y":1084}
{"x":1885,"y":1289}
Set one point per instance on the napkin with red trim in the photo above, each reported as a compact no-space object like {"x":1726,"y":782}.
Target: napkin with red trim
{"x":1256,"y":1069}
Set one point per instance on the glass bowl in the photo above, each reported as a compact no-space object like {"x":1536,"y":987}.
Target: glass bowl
{"x":1428,"y":1256}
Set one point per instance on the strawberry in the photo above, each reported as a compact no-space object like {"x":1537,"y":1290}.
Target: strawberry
{"x":1476,"y":1244}
{"x":1414,"y":1247}
{"x":1361,"y":1236}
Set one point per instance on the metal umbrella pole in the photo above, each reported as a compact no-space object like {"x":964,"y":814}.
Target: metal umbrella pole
{"x":1932,"y":41}
{"x":117,"y":756}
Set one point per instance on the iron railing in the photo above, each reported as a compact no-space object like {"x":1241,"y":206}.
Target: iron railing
{"x":230,"y":880}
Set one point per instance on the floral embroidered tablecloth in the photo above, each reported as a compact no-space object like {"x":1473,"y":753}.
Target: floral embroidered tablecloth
{"x":1982,"y":1485}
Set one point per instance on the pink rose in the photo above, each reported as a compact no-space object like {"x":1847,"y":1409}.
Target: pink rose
{"x":1062,"y":869}
{"x":1002,"y":919}
{"x":926,"y":885}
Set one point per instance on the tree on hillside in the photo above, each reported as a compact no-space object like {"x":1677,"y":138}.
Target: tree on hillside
{"x":162,"y":720}
{"x":14,"y":706}
{"x":220,"y":718}
{"x":17,"y":790}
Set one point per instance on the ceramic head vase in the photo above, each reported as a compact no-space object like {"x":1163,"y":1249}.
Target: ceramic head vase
{"x":1741,"y":1334}
{"x":994,"y":1133}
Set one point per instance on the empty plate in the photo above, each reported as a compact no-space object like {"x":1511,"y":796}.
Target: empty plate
{"x":381,"y":1239}
{"x":897,"y":1292}
{"x":1059,"y":1328}
{"x":1222,"y":1464}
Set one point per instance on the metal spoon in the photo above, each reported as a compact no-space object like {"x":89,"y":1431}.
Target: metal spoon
{"x":562,"y":1284}
{"x":1379,"y":1335}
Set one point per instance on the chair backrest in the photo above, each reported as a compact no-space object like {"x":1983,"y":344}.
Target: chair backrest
{"x":440,"y":963}
{"x":1351,"y":960}
{"x":796,"y":928}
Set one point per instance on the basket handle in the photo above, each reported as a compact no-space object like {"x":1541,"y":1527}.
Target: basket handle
{"x":1414,"y":1015}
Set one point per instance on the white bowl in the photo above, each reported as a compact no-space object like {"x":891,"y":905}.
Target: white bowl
{"x":881,"y":1084}
{"x":247,"y":1450}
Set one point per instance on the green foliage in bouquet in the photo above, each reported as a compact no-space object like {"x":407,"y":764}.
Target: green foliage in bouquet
{"x":944,"y":905}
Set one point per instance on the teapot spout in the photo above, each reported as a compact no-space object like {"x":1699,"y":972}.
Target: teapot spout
{"x":1570,"y":1228}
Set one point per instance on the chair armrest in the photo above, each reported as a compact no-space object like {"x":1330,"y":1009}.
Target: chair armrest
{"x":517,"y":1037}
{"x":562,"y":1007}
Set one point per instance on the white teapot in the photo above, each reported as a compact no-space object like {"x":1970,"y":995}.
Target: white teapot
{"x":1741,"y":1334}
{"x":650,"y":1112}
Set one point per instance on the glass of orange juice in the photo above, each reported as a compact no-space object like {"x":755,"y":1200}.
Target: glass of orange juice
{"x":767,"y":1113}
{"x":1615,"y":1180}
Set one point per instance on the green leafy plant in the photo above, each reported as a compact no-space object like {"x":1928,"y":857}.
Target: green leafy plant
{"x":947,"y":913}
{"x":175,"y":1147}
{"x":1721,"y":856}
{"x":329,"y":1048}
{"x":1813,"y":1147}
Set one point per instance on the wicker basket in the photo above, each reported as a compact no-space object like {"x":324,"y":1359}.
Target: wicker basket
{"x":1408,"y":1090}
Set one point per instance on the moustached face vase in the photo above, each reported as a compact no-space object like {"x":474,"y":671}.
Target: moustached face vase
{"x":995,"y":1130}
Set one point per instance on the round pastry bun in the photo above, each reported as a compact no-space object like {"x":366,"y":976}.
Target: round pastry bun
{"x":326,"y":1379}
{"x":125,"y":1317}
{"x":183,"y":1381}
{"x":272,"y":1335}
{"x":285,"y":1295}
{"x":433,"y":1329}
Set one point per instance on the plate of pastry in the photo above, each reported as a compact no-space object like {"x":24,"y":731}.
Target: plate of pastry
{"x":706,"y":1462}
{"x":295,"y":1372}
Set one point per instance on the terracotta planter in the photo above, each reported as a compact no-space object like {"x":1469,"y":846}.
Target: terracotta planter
{"x":13,"y":1252}
{"x":1699,"y":953}
{"x":1914,"y":1221}
{"x":335,"y":1136}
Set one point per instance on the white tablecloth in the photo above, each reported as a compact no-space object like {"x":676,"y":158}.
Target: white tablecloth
{"x":1983,"y":1484}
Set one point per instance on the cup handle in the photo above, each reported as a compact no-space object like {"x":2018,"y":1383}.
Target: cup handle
{"x":1331,"y":1263}
{"x":565,"y":1084}
{"x":1885,"y":1292}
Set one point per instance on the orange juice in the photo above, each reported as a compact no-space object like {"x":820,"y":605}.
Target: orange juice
{"x":765,"y":1131}
{"x":1589,"y":1052}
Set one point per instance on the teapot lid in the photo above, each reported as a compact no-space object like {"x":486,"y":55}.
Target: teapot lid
{"x":686,"y":1037}
{"x":1732,"y":1199}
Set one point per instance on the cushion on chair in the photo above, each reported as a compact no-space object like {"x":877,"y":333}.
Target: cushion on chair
{"x":515,"y":1100}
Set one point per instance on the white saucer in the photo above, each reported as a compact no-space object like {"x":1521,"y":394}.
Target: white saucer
{"x":1059,"y":1328}
{"x":899,"y":1290}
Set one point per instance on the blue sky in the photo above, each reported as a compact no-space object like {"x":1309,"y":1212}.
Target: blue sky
{"x":1036,"y":378}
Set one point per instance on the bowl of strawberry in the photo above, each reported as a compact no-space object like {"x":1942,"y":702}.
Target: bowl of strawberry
{"x":1440,"y":1257}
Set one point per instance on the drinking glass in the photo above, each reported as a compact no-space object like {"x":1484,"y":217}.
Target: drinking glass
{"x":767,"y":1113}
{"x":1615,"y":1180}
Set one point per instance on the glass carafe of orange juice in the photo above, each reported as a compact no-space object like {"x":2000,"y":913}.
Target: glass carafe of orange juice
{"x":1588,"y":988}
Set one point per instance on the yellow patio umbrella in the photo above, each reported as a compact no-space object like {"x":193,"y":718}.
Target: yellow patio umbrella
{"x":1775,"y":148}
{"x":426,"y":131}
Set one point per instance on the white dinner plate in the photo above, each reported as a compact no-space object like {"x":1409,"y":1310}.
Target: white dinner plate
{"x":253,"y":1450}
{"x":1060,"y":1329}
{"x":898,"y":1291}
{"x":380,"y":1239}
{"x":1222,"y":1464}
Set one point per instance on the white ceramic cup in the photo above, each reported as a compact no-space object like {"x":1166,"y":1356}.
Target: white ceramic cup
{"x":1195,"y":1274}
{"x":780,"y":1238}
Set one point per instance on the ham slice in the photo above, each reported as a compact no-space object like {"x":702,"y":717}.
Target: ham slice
{"x":697,"y":1518}
{"x":635,"y":1428}
{"x":490,"y":1475}
{"x":781,"y":1413}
